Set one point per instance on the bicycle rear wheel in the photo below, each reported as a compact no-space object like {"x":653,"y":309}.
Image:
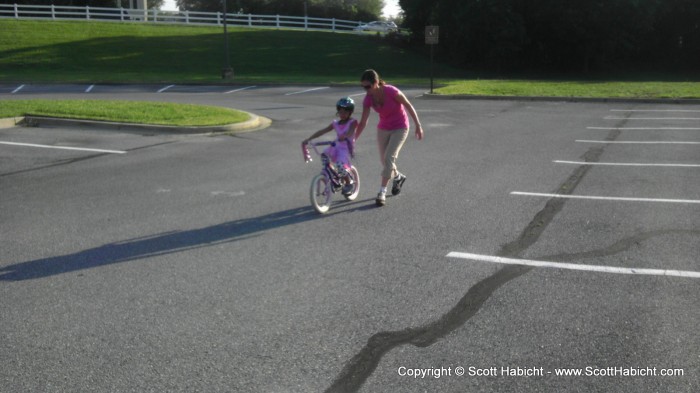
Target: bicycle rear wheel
{"x":320,"y":194}
{"x":356,"y":184}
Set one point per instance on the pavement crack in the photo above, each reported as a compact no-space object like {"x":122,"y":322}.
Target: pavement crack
{"x":362,"y":365}
{"x":149,"y":146}
{"x":78,"y":159}
{"x":54,"y":164}
{"x":621,"y":245}
{"x":544,"y":217}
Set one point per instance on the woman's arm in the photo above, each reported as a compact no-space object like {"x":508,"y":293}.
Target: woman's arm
{"x":363,"y":122}
{"x":411,"y":111}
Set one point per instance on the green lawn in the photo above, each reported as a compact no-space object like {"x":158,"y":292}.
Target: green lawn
{"x":595,"y":89}
{"x":101,"y":52}
{"x":125,"y":111}
{"x":94,"y":52}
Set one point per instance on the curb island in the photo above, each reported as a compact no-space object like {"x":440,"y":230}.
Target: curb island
{"x":255,"y":123}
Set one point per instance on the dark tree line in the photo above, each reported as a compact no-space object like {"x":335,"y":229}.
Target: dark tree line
{"x":568,"y":35}
{"x":340,"y":9}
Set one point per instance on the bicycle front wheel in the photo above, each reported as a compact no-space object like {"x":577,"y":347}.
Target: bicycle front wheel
{"x":355,"y":175}
{"x":320,"y":194}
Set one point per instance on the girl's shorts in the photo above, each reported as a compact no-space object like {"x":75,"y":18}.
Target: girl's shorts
{"x":338,"y":154}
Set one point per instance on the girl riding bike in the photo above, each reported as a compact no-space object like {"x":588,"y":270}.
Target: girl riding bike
{"x":341,"y":150}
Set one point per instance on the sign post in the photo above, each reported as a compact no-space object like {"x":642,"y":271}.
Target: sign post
{"x":227,"y":71}
{"x":431,"y":38}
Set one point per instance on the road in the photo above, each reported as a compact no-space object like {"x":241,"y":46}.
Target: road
{"x":529,"y":241}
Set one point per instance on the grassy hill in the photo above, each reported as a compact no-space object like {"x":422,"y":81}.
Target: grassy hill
{"x":101,"y":52}
{"x":81,"y":51}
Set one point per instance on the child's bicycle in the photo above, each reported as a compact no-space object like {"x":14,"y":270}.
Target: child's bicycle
{"x":330,"y":180}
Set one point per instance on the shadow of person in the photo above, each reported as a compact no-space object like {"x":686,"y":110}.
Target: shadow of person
{"x":164,"y":243}
{"x":155,"y":245}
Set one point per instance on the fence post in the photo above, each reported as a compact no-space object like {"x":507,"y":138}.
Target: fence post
{"x":218,"y":18}
{"x":87,"y":12}
{"x":333,"y":25}
{"x":155,"y":15}
{"x":53,"y":12}
{"x":278,"y":21}
{"x":187,"y":17}
{"x":16,"y":12}
{"x":306,"y":22}
{"x":250,"y":20}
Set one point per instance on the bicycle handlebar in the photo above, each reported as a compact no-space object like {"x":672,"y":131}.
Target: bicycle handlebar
{"x":324,"y":143}
{"x":305,"y":149}
{"x":307,"y":154}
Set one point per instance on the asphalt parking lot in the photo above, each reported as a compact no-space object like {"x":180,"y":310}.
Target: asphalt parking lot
{"x":534,"y":240}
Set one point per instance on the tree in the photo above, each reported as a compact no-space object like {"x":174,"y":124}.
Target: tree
{"x":676,"y":33}
{"x":568,"y":35}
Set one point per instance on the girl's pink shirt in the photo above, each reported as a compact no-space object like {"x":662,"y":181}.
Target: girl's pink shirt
{"x":392,"y":115}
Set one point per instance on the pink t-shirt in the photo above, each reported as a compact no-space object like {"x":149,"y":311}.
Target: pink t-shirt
{"x":392,"y":115}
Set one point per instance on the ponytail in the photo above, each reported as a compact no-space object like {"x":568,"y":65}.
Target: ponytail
{"x":372,"y":76}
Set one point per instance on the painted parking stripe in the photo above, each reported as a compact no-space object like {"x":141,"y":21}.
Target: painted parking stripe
{"x":625,"y":164}
{"x":645,"y":128}
{"x":165,"y":88}
{"x":642,"y":142}
{"x":573,"y":266}
{"x":241,"y":89}
{"x":656,"y":110}
{"x":650,"y":118}
{"x":17,"y":89}
{"x":306,"y":91}
{"x":63,"y":147}
{"x":606,"y":198}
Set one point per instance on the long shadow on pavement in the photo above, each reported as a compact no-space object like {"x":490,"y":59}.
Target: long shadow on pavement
{"x":160,"y":244}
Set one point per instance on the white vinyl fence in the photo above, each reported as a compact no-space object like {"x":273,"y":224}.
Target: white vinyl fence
{"x":21,"y":11}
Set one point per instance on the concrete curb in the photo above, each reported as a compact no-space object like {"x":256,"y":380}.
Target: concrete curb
{"x":255,"y":123}
{"x":565,"y":99}
{"x":11,"y":122}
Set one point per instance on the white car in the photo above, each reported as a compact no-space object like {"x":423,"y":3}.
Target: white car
{"x":382,"y":27}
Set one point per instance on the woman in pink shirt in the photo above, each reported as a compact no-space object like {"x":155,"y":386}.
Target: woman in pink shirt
{"x":391,"y":105}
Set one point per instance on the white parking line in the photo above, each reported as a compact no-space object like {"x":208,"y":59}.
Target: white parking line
{"x":306,"y":91}
{"x":650,"y":118}
{"x":17,"y":89}
{"x":604,"y":198}
{"x":165,"y":88}
{"x":241,"y":89}
{"x":573,"y":266}
{"x":646,"y":128}
{"x":63,"y":147}
{"x":89,"y":89}
{"x":643,"y":142}
{"x":655,"y":110}
{"x":625,"y":164}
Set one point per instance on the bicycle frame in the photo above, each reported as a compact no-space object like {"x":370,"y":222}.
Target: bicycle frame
{"x":328,"y":169}
{"x":332,"y":178}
